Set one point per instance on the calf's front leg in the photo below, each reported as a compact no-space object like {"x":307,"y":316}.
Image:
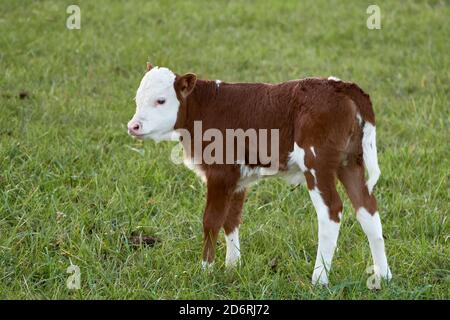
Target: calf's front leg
{"x":218,"y":201}
{"x":231,"y":228}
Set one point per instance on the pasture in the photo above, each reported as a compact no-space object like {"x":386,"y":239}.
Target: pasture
{"x":75,"y":188}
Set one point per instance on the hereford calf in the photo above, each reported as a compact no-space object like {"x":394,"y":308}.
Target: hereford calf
{"x":326,"y":132}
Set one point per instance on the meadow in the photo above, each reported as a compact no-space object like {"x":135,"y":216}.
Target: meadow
{"x":75,"y":188}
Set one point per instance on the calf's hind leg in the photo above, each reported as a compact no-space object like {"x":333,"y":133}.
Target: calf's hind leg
{"x":321,"y":180}
{"x":319,"y":167}
{"x":352,"y":177}
{"x":328,"y":205}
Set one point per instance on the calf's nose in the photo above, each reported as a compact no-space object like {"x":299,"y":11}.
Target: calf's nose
{"x":134,"y":127}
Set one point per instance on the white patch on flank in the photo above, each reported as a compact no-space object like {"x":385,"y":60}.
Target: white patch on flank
{"x":189,"y":163}
{"x":218,"y":82}
{"x":358,"y":116}
{"x":333,"y":78}
{"x":371,"y":225}
{"x":298,"y":157}
{"x":233,"y":248}
{"x":370,"y":155}
{"x":247,"y":171}
{"x":293,"y":175}
{"x":313,"y":172}
{"x":268,"y":171}
{"x":157,"y":120}
{"x":328,"y":234}
{"x":251,"y":175}
{"x":313,"y":151}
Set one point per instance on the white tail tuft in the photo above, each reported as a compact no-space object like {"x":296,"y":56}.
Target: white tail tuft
{"x":370,"y":155}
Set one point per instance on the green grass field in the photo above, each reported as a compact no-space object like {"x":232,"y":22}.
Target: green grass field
{"x":74,"y":186}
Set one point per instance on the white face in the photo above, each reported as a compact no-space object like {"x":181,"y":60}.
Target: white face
{"x":156,"y":106}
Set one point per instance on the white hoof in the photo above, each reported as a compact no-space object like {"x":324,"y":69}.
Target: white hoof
{"x":387,"y":275}
{"x":232,"y":262}
{"x":206,"y":266}
{"x":320,"y":277}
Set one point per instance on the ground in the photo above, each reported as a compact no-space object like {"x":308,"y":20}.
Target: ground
{"x":74,"y":187}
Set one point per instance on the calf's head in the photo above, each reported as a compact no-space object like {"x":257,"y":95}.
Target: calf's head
{"x":158,"y":100}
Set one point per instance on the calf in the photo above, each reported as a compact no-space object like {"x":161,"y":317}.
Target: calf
{"x":325,"y":131}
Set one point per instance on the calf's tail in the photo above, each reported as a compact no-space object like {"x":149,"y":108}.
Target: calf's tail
{"x":366,"y":118}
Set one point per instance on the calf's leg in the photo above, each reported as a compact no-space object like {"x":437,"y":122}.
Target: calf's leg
{"x":231,"y":228}
{"x":328,"y":207}
{"x":218,"y":201}
{"x":352,"y":177}
{"x":319,"y":166}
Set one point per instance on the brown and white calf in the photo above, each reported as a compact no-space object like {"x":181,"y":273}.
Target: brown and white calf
{"x":326,"y":132}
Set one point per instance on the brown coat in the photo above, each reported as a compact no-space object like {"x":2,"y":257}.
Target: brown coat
{"x":327,"y":115}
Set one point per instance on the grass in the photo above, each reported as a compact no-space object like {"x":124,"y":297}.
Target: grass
{"x":65,"y":150}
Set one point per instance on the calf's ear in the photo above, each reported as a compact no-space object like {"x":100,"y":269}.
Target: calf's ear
{"x":186,"y":83}
{"x":149,"y":66}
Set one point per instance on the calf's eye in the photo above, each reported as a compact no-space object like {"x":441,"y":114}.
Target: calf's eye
{"x":161,"y":101}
